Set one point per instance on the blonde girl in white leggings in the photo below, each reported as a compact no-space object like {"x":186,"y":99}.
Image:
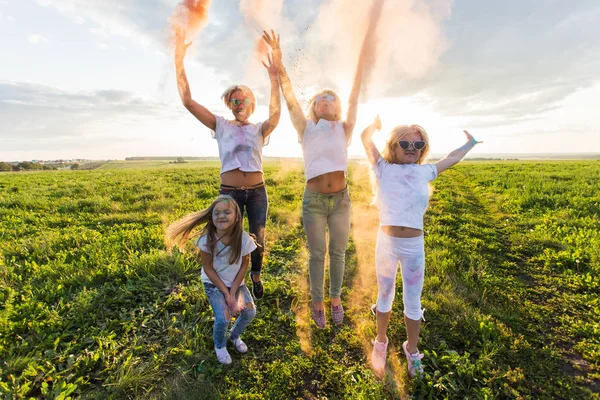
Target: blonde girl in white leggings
{"x":402,"y":196}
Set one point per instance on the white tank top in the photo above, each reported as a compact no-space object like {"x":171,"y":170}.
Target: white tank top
{"x":240,"y":146}
{"x":403,"y":192}
{"x":325,"y":148}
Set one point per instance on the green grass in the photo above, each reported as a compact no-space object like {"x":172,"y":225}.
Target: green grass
{"x":92,"y":305}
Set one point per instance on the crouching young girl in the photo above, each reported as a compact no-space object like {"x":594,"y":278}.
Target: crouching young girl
{"x":224,"y":251}
{"x":402,"y":195}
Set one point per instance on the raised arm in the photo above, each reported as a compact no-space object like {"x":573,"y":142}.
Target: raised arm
{"x":197,"y":110}
{"x":366,"y":57}
{"x":296,"y":114}
{"x":350,"y":121}
{"x":366,"y":136}
{"x":275,"y":103}
{"x":456,"y":155}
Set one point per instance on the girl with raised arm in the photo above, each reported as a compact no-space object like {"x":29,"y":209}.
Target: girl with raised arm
{"x":402,"y":179}
{"x":240,"y":149}
{"x":324,"y":137}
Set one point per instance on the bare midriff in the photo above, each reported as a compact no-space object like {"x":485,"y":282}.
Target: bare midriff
{"x":328,"y":183}
{"x":401,"y":231}
{"x":238,"y":178}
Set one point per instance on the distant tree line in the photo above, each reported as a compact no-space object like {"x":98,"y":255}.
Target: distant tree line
{"x":24,"y":166}
{"x":168,"y":158}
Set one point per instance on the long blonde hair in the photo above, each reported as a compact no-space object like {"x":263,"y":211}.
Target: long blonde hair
{"x":179,"y":232}
{"x":310,"y":108}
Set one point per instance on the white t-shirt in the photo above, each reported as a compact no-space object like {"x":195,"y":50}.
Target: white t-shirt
{"x":325,"y":148}
{"x":403,"y":192}
{"x":227,"y":272}
{"x":240,"y":146}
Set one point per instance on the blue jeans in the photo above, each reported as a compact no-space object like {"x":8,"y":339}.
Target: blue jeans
{"x":255,"y":203}
{"x":219,"y":306}
{"x":319,"y":213}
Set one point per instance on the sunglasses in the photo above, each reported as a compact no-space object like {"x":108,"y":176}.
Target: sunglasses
{"x":328,"y":97}
{"x":417,"y":144}
{"x":237,"y":102}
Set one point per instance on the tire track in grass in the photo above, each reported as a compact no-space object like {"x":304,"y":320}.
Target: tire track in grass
{"x":488,"y":279}
{"x":547,"y":289}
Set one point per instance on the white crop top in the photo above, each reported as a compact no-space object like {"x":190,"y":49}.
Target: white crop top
{"x":403,"y":192}
{"x":227,"y":272}
{"x":240,"y":146}
{"x":325,"y":148}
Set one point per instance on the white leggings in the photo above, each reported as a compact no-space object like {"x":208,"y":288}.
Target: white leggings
{"x":411,"y":254}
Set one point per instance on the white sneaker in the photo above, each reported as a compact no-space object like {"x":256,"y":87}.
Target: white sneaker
{"x":379,"y":355}
{"x":223,"y":355}
{"x":239,"y":344}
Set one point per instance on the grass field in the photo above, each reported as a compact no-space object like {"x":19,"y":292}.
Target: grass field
{"x":93,"y":306}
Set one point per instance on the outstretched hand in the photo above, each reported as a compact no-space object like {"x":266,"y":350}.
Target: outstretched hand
{"x":471,"y":138}
{"x":273,"y":41}
{"x":180,"y":45}
{"x":272,"y":68}
{"x":377,"y":123}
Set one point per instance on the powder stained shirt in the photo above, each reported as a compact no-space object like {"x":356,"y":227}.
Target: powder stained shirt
{"x":403,"y":192}
{"x":325,"y":148}
{"x":240,"y":146}
{"x":227,"y":272}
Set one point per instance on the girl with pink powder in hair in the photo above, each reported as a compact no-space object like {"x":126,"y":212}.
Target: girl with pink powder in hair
{"x":240,"y":148}
{"x":402,"y":178}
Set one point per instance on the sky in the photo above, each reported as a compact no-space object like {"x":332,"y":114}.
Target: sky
{"x":95,"y":79}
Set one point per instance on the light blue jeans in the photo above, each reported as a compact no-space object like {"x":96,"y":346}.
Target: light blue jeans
{"x":218,"y":305}
{"x":322,"y":212}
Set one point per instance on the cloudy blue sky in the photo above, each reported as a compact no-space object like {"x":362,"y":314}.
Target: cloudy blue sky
{"x":94,"y":78}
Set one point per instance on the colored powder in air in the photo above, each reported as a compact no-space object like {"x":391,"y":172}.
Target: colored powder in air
{"x":190,"y":16}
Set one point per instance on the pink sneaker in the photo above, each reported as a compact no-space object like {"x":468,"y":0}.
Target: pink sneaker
{"x":337,"y":314}
{"x":318,"y":317}
{"x":415,"y":367}
{"x":379,"y":355}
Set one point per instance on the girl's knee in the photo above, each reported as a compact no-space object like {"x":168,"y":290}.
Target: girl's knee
{"x":386,"y":294}
{"x":250,"y":310}
{"x":221,"y":320}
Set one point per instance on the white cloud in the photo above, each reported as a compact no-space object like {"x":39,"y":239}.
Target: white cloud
{"x":36,"y":39}
{"x":99,"y":32}
{"x":139,"y":20}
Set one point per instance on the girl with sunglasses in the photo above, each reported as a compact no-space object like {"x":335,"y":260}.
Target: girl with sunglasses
{"x":240,"y":148}
{"x":402,"y":194}
{"x":325,"y":138}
